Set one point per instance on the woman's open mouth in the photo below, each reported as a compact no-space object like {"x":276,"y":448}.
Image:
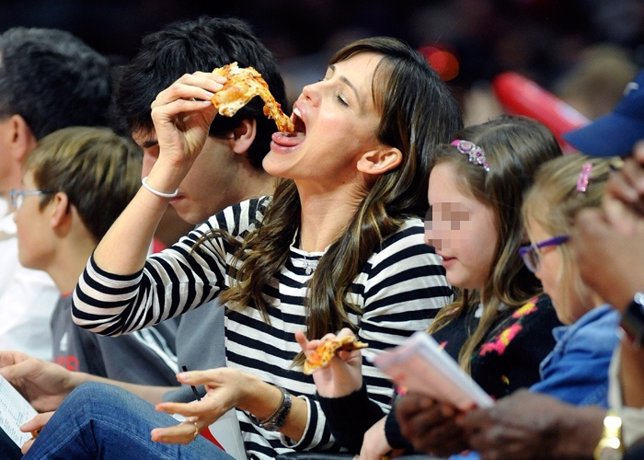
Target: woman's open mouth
{"x":288,"y":141}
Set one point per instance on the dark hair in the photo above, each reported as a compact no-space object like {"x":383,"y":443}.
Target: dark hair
{"x":417,"y":112}
{"x":199,"y":45}
{"x":53,"y":80}
{"x":514,"y":147}
{"x":98,"y":170}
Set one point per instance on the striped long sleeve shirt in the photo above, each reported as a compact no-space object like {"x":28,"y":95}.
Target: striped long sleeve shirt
{"x":399,"y":290}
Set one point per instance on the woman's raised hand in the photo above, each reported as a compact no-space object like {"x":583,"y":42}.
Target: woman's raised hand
{"x":182,"y":114}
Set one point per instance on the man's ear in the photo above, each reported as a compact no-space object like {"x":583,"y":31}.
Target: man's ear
{"x":244,"y":135}
{"x":22,"y":140}
{"x":380,"y":160}
{"x":60,"y":214}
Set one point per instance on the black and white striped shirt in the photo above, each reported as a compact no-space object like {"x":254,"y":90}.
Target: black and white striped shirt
{"x":400,"y":289}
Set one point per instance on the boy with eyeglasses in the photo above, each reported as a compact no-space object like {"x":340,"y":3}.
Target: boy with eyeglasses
{"x":76,"y":182}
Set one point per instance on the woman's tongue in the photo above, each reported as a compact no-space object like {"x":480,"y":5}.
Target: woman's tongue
{"x":288,"y":140}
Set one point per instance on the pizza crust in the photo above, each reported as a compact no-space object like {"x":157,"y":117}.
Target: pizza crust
{"x":242,"y":85}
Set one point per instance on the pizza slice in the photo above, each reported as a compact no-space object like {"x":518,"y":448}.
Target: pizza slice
{"x":327,"y":350}
{"x":243,"y":84}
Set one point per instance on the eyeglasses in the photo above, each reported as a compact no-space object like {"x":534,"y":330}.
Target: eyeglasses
{"x":530,"y":253}
{"x":17,"y":196}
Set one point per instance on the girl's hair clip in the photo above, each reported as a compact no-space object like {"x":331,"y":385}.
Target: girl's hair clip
{"x":475,"y":154}
{"x":584,"y":177}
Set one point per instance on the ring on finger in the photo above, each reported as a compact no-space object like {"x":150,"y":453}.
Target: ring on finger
{"x":196,"y":431}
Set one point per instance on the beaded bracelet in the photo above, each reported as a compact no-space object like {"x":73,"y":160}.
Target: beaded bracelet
{"x":149,"y":188}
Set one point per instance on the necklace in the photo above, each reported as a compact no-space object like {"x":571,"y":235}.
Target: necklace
{"x":309,"y":265}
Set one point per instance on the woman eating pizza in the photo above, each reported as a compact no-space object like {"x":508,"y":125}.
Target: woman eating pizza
{"x":340,"y":244}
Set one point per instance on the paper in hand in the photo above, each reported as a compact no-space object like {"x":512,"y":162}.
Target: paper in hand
{"x":14,"y":412}
{"x":420,"y":365}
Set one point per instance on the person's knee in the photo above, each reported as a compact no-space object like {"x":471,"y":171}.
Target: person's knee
{"x":93,"y":392}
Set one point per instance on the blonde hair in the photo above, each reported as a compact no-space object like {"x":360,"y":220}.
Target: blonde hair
{"x":514,"y":147}
{"x":553,"y":201}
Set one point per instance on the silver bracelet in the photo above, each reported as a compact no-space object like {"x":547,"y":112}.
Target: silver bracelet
{"x":149,"y":188}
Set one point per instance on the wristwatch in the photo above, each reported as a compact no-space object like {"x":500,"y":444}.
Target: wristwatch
{"x":276,"y":420}
{"x":633,"y":320}
{"x":610,"y":445}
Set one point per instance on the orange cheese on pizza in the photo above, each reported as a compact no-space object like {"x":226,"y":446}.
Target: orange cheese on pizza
{"x":327,"y":350}
{"x":242,"y":85}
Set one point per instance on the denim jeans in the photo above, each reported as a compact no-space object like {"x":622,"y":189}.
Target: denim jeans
{"x":98,"y":421}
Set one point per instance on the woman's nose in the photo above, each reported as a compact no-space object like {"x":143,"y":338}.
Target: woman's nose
{"x":311,"y":92}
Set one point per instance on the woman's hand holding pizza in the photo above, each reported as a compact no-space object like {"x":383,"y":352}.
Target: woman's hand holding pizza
{"x":335,"y":362}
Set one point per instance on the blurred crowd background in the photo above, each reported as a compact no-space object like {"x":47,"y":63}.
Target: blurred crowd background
{"x":582,"y":50}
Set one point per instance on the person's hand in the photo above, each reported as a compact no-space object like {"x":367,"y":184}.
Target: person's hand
{"x":624,"y":193}
{"x":225,"y":389}
{"x":44,"y":384}
{"x":374,"y":444}
{"x":182,"y":114}
{"x":609,"y":242}
{"x":526,"y":425}
{"x":343,"y":375}
{"x":610,"y":262}
{"x":431,"y":426}
{"x":34,"y":426}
